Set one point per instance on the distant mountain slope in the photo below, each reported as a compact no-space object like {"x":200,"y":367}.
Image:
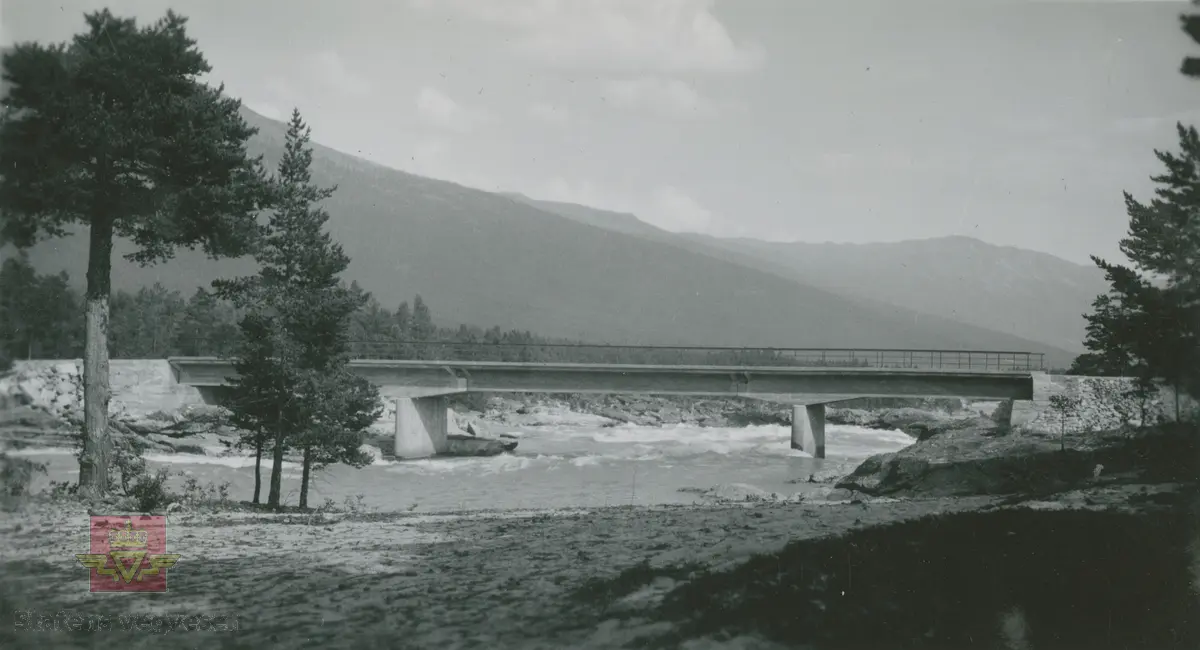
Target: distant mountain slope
{"x":487,"y":259}
{"x":617,"y":221}
{"x":1024,"y":293}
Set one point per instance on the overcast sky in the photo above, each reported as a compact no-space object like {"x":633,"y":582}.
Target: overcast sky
{"x":1018,"y":123}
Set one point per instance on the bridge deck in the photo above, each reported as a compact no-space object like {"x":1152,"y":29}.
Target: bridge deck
{"x":786,"y":383}
{"x":674,"y":355}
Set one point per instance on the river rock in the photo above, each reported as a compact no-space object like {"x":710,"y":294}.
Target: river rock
{"x":374,"y":452}
{"x":463,"y":445}
{"x":176,"y":446}
{"x":622,"y":416}
{"x":736,"y":492}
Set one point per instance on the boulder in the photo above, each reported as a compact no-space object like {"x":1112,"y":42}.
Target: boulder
{"x":374,"y":452}
{"x":976,"y":460}
{"x":622,"y":416}
{"x":380,"y":441}
{"x":465,"y":445}
{"x":142,"y":426}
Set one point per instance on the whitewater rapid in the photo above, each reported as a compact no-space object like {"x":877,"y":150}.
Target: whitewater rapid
{"x":564,"y":464}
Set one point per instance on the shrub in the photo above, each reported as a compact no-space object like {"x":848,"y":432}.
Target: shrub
{"x":130,"y":466}
{"x":16,"y":474}
{"x":1003,"y":413}
{"x":1067,"y":408}
{"x":150,"y":492}
{"x":476,"y":401}
{"x":62,"y":490}
{"x":197,"y":496}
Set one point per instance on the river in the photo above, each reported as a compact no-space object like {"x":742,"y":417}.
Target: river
{"x":576,"y":463}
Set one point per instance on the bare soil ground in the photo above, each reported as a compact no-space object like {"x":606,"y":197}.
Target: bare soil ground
{"x":496,"y":580}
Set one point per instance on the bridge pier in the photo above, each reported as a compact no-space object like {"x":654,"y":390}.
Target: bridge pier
{"x":421,"y":426}
{"x":808,"y":429}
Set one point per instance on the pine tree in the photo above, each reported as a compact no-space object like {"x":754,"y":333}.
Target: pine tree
{"x":60,"y":318}
{"x":39,"y":315}
{"x":264,"y":405}
{"x":344,"y":406}
{"x":114,"y":131}
{"x":1148,"y":324}
{"x":422,"y":329}
{"x":294,"y":389}
{"x":208,"y":327}
{"x":18,"y":308}
{"x":404,"y":320}
{"x":373,"y":330}
{"x":403,"y":331}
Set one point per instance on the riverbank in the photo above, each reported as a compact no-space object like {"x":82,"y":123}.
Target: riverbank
{"x":617,"y":577}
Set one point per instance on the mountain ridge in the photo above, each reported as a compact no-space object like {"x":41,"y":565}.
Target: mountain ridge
{"x":956,"y":276}
{"x":489,"y":259}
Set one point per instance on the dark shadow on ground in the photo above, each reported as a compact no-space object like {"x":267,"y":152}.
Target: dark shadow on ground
{"x":1004,"y":579}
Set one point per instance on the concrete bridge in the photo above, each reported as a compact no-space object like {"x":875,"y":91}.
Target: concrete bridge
{"x":421,"y":387}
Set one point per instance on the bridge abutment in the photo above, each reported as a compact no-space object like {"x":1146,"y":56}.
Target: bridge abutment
{"x":421,"y":426}
{"x":808,"y":429}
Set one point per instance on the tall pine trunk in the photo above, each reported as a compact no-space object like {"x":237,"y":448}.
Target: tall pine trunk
{"x":304,"y":477}
{"x":276,"y":472}
{"x":258,"y":450}
{"x":97,"y":448}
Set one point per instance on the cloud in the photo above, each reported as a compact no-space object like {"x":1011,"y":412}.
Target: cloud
{"x":660,"y":35}
{"x":1152,"y":123}
{"x":667,"y":207}
{"x":438,"y":109}
{"x":549,"y":113}
{"x":875,"y":161}
{"x":429,"y":157}
{"x":665,"y":97}
{"x":431,"y":150}
{"x":328,"y":67}
{"x":674,"y":210}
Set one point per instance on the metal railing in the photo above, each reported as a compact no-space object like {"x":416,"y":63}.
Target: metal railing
{"x":674,"y":355}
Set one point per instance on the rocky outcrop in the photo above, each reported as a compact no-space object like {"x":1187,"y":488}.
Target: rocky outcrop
{"x":917,"y":419}
{"x":51,"y":387}
{"x":467,"y":437}
{"x":639,"y":410}
{"x":918,"y":423}
{"x":463,"y":445}
{"x":985,"y":458}
{"x":148,"y":411}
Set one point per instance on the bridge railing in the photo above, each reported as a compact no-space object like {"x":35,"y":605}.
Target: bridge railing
{"x":676,"y":355}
